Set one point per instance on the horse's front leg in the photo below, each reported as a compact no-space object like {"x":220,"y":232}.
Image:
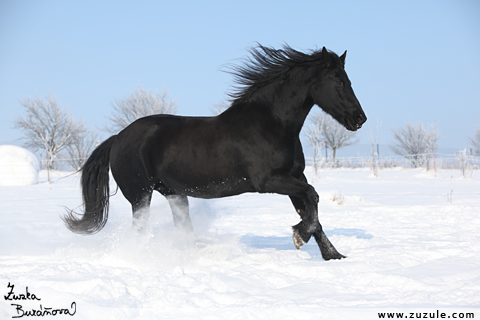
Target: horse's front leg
{"x":307,"y":200}
{"x":309,"y":223}
{"x":326,"y":248}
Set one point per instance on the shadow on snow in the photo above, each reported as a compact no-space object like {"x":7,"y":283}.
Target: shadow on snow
{"x":286,"y":243}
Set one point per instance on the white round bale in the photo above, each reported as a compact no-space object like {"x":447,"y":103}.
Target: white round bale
{"x":18,"y":166}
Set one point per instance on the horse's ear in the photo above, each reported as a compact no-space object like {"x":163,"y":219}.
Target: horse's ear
{"x":325,"y":57}
{"x":342,"y":57}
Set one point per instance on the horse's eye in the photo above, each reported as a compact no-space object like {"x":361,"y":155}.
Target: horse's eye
{"x":339,"y":83}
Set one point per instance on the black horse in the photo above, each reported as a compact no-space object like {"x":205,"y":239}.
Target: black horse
{"x":253,"y":146}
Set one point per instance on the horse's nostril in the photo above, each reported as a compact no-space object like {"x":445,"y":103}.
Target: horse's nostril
{"x":360,"y":118}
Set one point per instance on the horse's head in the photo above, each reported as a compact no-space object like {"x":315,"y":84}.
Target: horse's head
{"x":332,"y":91}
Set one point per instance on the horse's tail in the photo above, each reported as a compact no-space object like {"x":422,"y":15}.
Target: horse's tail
{"x":95,"y":192}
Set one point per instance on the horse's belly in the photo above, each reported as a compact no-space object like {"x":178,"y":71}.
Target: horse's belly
{"x":217,"y":188}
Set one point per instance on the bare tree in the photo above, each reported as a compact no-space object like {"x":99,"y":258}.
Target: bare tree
{"x":463,"y":159}
{"x":332,"y":133}
{"x":415,"y":143}
{"x":410,"y":143}
{"x":373,"y":144}
{"x":81,"y":147}
{"x":140,"y":103}
{"x":313,"y":137}
{"x":475,"y":141}
{"x":218,"y":108}
{"x":47,"y":127}
{"x":431,"y":136}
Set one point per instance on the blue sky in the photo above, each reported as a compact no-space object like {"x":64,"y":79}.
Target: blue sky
{"x":416,"y":61}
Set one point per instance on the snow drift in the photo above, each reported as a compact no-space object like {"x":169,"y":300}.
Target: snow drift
{"x":18,"y":166}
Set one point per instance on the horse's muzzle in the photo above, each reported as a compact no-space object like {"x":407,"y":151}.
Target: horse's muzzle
{"x":354,"y":123}
{"x":360,"y":119}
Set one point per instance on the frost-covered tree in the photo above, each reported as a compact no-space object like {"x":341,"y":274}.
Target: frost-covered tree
{"x":218,"y":108}
{"x":81,"y":146}
{"x":332,"y":134}
{"x":47,"y":126}
{"x":475,"y":141}
{"x":431,"y":136}
{"x":373,"y":144}
{"x":140,"y":103}
{"x":313,"y":136}
{"x":463,"y":158}
{"x":415,"y":143}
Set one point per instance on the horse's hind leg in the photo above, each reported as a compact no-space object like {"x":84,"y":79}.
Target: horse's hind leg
{"x":181,"y":217}
{"x":141,"y":211}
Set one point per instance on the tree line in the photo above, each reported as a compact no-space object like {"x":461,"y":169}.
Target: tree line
{"x":415,"y":142}
{"x":49,"y":128}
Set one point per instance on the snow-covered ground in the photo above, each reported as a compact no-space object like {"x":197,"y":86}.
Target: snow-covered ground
{"x":412,"y":241}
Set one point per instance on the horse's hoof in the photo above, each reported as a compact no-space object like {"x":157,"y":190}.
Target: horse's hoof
{"x":336,"y":256}
{"x":297,"y":240}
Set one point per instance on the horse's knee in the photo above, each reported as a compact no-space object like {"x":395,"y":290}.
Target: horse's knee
{"x":313,"y":195}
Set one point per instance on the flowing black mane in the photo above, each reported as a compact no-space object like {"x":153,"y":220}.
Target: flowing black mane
{"x":266,"y":65}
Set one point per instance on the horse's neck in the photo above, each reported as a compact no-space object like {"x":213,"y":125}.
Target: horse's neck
{"x":287,"y":106}
{"x":291,"y":112}
{"x":268,"y":114}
